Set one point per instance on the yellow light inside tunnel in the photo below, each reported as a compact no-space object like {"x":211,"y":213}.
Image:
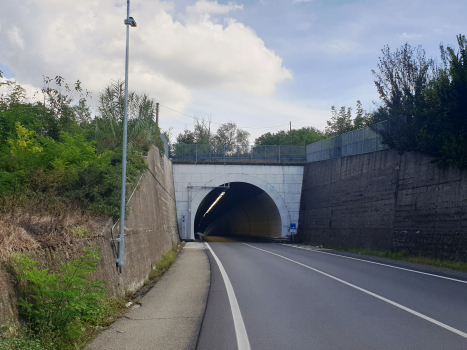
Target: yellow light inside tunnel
{"x":213,"y":204}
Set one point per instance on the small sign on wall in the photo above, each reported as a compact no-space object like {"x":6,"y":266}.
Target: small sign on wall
{"x":293,"y":227}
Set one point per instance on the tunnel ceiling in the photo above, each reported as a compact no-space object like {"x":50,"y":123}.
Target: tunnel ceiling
{"x":239,"y":195}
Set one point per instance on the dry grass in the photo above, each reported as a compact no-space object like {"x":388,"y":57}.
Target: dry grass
{"x":14,"y":239}
{"x":35,"y":221}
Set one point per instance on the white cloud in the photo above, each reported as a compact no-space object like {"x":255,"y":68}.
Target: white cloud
{"x":14,"y":35}
{"x":33,"y":94}
{"x":203,"y":7}
{"x":340,"y":46}
{"x":300,"y":1}
{"x":410,"y":35}
{"x":169,"y":59}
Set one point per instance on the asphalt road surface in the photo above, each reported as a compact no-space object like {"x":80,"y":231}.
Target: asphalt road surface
{"x":291,"y":298}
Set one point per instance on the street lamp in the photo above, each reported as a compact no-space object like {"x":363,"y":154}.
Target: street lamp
{"x":129,"y":21}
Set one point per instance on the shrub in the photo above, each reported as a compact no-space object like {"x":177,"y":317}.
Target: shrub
{"x":59,"y":303}
{"x":19,"y":343}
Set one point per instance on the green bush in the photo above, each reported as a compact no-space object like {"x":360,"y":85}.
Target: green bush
{"x":56,"y":147}
{"x":424,"y":104}
{"x":60,"y":303}
{"x":10,"y":181}
{"x":19,"y":343}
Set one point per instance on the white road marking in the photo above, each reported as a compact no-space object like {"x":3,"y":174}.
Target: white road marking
{"x":376,"y":263}
{"x":445,"y":326}
{"x":242,"y":337}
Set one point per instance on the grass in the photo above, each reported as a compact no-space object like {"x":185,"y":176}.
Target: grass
{"x":406,"y":256}
{"x":19,"y":342}
{"x":113,"y":308}
{"x":81,"y":232}
{"x":12,"y":337}
{"x":163,"y":265}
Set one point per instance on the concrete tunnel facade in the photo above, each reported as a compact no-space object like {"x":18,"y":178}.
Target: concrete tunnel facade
{"x":262,"y":202}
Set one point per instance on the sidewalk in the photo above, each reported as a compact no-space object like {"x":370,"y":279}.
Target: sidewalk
{"x":171,"y":314}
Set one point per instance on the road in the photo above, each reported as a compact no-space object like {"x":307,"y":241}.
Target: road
{"x":291,"y":298}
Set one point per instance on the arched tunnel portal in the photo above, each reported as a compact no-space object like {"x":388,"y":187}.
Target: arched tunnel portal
{"x":238,"y":208}
{"x":251,"y":206}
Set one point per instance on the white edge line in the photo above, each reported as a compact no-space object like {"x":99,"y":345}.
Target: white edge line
{"x":376,"y":263}
{"x":445,"y":326}
{"x":242,"y":337}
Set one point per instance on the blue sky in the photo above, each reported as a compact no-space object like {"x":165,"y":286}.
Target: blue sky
{"x":258,"y":63}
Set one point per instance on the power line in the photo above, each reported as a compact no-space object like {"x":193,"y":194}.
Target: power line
{"x":190,"y":116}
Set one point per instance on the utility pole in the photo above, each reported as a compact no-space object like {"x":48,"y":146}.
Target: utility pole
{"x":157,"y":114}
{"x":129,"y":21}
{"x":290,"y":133}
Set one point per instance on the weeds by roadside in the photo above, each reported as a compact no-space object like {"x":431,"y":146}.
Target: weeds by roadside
{"x":161,"y":267}
{"x":406,"y":256}
{"x":19,"y":342}
{"x":65,"y":311}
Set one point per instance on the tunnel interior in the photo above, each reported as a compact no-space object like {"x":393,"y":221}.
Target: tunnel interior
{"x":242,"y":209}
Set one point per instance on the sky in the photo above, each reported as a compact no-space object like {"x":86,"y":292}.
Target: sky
{"x":259,"y":63}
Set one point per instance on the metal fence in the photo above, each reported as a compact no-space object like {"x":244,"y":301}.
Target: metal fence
{"x":183,"y":153}
{"x":354,"y":142}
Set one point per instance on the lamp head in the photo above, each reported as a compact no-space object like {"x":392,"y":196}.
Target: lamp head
{"x":130,"y":21}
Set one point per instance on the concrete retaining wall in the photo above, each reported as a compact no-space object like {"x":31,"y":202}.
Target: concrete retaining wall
{"x":150,"y":231}
{"x":384,"y":200}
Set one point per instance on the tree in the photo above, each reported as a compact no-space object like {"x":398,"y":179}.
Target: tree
{"x":297,"y":137}
{"x":401,"y":81}
{"x":200,"y":135}
{"x":14,"y":109}
{"x":363,"y":118}
{"x":230,"y":134}
{"x":226,"y":134}
{"x":402,"y":77}
{"x":107,"y":127}
{"x":341,"y":121}
{"x":425,"y":105}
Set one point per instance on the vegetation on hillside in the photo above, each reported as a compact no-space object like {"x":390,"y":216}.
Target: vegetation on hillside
{"x":57,"y":163}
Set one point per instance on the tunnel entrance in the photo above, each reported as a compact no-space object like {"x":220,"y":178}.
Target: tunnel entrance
{"x":238,"y":208}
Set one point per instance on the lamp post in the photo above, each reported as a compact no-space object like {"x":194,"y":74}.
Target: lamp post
{"x":129,"y":21}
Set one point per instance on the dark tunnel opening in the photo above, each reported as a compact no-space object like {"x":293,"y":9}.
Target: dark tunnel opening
{"x":240,"y":209}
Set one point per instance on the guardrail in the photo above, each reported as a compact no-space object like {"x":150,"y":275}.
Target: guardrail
{"x":185,"y":153}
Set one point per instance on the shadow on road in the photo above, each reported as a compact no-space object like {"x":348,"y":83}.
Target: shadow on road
{"x":241,"y":239}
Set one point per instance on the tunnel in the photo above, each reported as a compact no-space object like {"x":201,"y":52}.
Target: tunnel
{"x":238,"y":208}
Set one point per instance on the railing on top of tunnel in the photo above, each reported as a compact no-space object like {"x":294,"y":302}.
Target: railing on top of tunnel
{"x":184,"y":153}
{"x":354,"y":142}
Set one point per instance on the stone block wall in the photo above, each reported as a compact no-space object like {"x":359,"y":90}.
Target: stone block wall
{"x":383,"y":200}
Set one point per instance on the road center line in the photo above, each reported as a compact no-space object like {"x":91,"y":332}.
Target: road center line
{"x":240,"y":331}
{"x":445,"y":326}
{"x":376,"y":263}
